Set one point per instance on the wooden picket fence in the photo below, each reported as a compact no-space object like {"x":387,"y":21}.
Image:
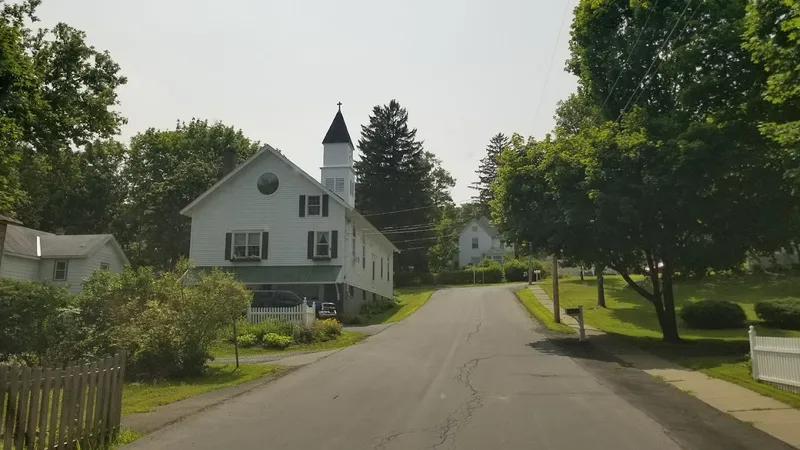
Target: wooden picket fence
{"x":61,"y":408}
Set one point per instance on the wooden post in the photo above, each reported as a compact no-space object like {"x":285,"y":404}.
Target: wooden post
{"x":11,"y":412}
{"x":58,"y":383}
{"x":236,"y":340}
{"x":580,"y":323}
{"x":47,"y":382}
{"x":33,"y":415}
{"x":753,"y":358}
{"x":3,"y":382}
{"x":22,"y":407}
{"x":556,"y":305}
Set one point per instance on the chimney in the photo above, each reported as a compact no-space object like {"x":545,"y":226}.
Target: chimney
{"x":228,"y":160}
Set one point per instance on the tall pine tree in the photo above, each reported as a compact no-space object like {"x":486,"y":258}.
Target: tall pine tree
{"x":487,"y":172}
{"x":399,"y":185}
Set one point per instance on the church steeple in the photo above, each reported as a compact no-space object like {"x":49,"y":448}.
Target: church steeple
{"x":337,"y":172}
{"x":337,"y":133}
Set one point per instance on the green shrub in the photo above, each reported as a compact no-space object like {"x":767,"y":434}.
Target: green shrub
{"x":247,"y":340}
{"x":413,"y":279}
{"x":352,"y":320}
{"x":377,"y":306}
{"x":37,"y":325}
{"x":516,"y":270}
{"x":454,"y":277}
{"x":272,"y":340}
{"x":713,"y":314}
{"x":328,"y":329}
{"x":780,"y":313}
{"x":303,"y":334}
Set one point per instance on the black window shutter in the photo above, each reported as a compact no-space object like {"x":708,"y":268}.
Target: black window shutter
{"x":310,"y":245}
{"x":228,"y":239}
{"x":264,"y":244}
{"x":325,"y":205}
{"x":302,"y":206}
{"x":334,"y":244}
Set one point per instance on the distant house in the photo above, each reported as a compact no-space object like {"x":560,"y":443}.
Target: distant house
{"x":479,"y":240}
{"x":782,"y":259}
{"x":65,"y":260}
{"x":278,"y":228}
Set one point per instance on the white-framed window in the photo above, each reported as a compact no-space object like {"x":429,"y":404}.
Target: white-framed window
{"x":246,"y":245}
{"x":474,"y":242}
{"x":105,"y":266}
{"x":60,"y":270}
{"x":322,"y":244}
{"x":329,"y":182}
{"x":314,"y":205}
{"x":340,"y":185}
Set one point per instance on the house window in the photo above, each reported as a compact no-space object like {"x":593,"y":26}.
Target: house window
{"x":363,"y":253}
{"x":246,"y":245}
{"x":350,"y":290}
{"x":373,"y":267}
{"x":329,"y":183}
{"x":474,"y":242}
{"x":314,"y":206}
{"x":354,"y":242}
{"x":60,"y":270}
{"x":322,"y":244}
{"x":105,"y":266}
{"x":363,"y":295}
{"x":474,"y":228}
{"x":340,"y":185}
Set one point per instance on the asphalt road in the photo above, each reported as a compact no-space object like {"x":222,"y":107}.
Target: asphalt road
{"x":467,"y":371}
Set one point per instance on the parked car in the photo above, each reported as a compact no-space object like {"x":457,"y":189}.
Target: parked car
{"x":325,"y":310}
{"x":275,"y":299}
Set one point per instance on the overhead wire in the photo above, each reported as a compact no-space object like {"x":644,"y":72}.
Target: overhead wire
{"x":552,"y":58}
{"x":649,"y":68}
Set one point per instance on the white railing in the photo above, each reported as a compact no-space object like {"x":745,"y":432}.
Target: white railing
{"x":301,"y":314}
{"x":776,"y":360}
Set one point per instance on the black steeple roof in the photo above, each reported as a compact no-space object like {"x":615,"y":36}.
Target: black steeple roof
{"x":337,"y":133}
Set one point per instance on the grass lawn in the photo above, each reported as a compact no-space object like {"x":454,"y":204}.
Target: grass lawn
{"x":719,"y":353}
{"x":144,"y":397}
{"x":225,"y":349}
{"x":410,"y":300}
{"x":539,"y":312}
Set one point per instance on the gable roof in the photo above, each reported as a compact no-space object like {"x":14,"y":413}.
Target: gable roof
{"x":337,"y":133}
{"x":483,"y":222}
{"x":7,"y":219}
{"x":266,"y":149}
{"x":41,"y":244}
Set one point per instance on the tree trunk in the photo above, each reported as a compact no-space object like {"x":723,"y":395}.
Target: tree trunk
{"x":670,"y":325}
{"x":581,"y":269}
{"x":601,"y":292}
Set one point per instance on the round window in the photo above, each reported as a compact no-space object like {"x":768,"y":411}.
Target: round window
{"x":267,"y":183}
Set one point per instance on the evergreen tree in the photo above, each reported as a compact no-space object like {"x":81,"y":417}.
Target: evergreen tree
{"x":399,"y":185}
{"x":487,"y":172}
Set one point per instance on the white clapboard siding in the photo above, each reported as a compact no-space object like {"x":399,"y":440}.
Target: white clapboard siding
{"x":300,"y":314}
{"x":776,"y":360}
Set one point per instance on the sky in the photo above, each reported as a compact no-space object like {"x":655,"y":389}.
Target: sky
{"x":464,"y":69}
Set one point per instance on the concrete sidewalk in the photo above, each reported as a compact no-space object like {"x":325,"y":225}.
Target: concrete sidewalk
{"x":769,"y":415}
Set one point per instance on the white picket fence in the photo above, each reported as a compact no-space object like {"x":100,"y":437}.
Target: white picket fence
{"x":776,"y":360}
{"x":301,"y":314}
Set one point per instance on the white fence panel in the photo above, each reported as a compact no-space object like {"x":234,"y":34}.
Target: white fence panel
{"x":776,"y":360}
{"x":301,"y":314}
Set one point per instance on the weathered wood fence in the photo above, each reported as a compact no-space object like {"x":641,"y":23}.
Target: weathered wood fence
{"x":55,"y":408}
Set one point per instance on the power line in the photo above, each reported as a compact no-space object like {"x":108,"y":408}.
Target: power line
{"x":630,"y":54}
{"x":685,"y":26}
{"x":552,"y":58}
{"x":660,"y":49}
{"x":422,"y":230}
{"x":409,"y":209}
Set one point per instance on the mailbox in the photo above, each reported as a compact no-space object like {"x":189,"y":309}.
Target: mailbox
{"x":572,"y":311}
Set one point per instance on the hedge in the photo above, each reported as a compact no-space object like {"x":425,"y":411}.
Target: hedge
{"x":780,"y":313}
{"x":713,"y":314}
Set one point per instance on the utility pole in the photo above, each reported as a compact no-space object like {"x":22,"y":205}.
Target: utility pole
{"x":530,"y":263}
{"x":556,"y":307}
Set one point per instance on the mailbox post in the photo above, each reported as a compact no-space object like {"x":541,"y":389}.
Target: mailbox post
{"x":577,"y":313}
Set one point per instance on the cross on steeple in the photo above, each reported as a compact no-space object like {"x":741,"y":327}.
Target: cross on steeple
{"x":339,"y":105}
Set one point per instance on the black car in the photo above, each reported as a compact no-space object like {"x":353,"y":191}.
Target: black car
{"x":289,"y":299}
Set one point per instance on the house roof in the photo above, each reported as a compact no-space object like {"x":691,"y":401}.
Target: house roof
{"x":41,"y":244}
{"x":266,"y":149}
{"x":337,"y":133}
{"x":274,"y":274}
{"x":356,"y":215}
{"x":483,"y":222}
{"x":7,"y":219}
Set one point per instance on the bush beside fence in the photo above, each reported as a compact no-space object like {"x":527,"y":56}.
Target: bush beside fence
{"x":77,"y":406}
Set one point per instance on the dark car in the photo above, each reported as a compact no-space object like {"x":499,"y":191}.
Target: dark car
{"x":325,"y":310}
{"x":275,"y":299}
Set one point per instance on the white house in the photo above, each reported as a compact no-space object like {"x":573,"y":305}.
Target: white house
{"x":277,"y":227}
{"x":479,"y":240}
{"x":64,"y":260}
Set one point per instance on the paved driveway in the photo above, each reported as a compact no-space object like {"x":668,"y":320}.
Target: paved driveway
{"x":467,"y":371}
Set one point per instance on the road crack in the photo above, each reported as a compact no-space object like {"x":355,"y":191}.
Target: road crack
{"x":462,"y":415}
{"x":473,"y":333}
{"x":387,"y":439}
